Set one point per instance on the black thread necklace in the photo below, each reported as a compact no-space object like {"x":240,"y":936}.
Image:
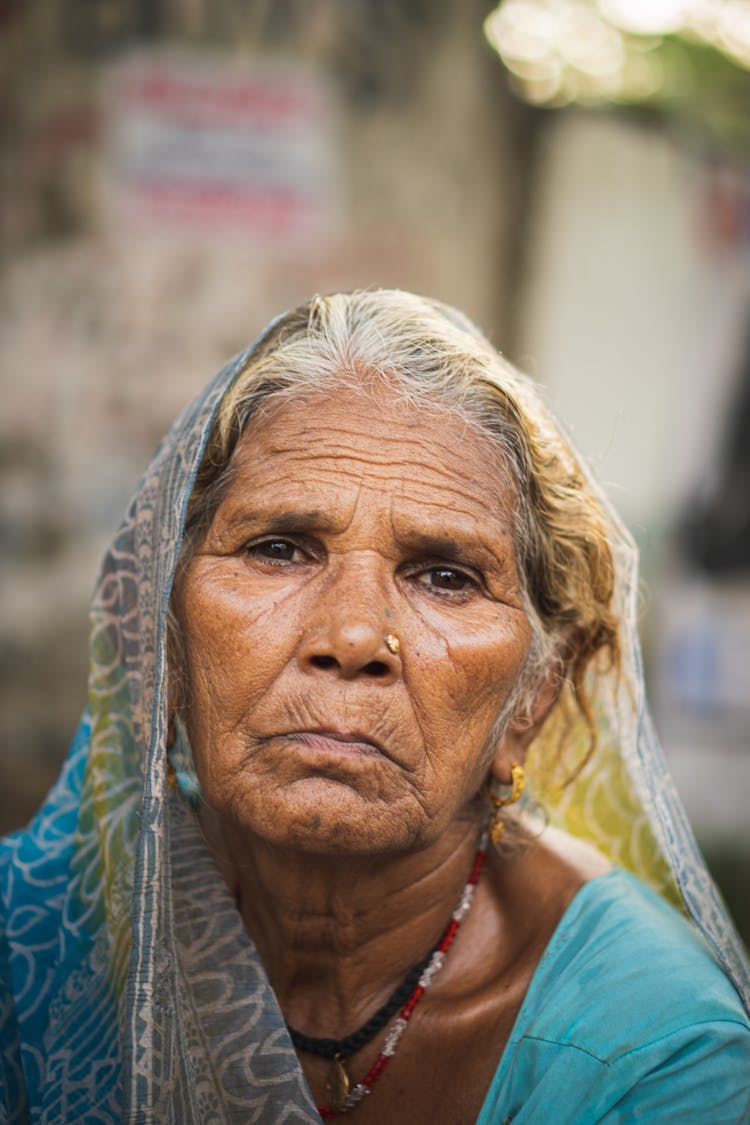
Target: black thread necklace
{"x":411,"y":990}
{"x":343,"y":1049}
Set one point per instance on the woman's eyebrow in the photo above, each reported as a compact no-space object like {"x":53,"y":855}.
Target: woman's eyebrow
{"x":462,"y":548}
{"x":288,"y":522}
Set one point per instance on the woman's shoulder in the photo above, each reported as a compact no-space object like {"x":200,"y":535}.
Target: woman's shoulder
{"x":637,"y":960}
{"x":628,"y":1013}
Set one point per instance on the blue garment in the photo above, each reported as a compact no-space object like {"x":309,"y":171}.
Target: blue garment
{"x":628,"y":1019}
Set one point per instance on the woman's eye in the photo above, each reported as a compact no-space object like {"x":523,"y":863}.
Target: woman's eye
{"x":447,"y":578}
{"x":276,"y":550}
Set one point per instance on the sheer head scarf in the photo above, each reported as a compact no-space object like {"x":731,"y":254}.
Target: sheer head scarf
{"x":129,"y":989}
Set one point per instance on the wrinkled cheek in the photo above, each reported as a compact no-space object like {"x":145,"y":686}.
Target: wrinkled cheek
{"x":477,"y":696}
{"x":206,"y":711}
{"x":486,"y":662}
{"x":221,"y":759}
{"x":219,"y":657}
{"x":460,"y":733}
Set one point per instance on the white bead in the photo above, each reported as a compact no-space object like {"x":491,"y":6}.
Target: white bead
{"x":432,"y":969}
{"x":393,"y":1036}
{"x":355,"y":1096}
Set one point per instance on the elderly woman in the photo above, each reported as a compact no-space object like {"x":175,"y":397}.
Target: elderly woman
{"x":364,"y":593}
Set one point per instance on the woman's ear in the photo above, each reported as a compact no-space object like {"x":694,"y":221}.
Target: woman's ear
{"x":523,"y":727}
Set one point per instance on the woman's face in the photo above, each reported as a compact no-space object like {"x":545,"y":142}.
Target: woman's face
{"x":349,"y":518}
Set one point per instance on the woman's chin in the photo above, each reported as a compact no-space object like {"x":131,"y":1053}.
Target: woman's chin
{"x":322,"y":816}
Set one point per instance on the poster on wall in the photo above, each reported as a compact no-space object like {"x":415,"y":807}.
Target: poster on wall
{"x":208,"y":143}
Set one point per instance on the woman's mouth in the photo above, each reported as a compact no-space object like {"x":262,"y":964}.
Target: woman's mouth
{"x":337,"y":743}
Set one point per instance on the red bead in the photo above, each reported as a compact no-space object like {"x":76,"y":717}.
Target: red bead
{"x":413,"y":1000}
{"x":450,"y":934}
{"x":476,"y":869}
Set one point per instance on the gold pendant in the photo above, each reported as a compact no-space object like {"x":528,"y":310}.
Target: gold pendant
{"x":337,"y":1085}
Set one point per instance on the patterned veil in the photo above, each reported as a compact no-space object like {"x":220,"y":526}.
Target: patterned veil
{"x":129,"y":989}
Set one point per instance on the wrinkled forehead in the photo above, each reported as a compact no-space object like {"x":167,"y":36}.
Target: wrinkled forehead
{"x":424,"y":450}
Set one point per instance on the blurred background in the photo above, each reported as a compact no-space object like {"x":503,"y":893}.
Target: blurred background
{"x":574,"y":174}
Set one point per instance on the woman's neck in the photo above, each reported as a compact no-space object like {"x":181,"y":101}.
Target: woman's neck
{"x":336,"y":934}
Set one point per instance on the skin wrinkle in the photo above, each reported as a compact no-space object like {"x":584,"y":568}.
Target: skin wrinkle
{"x":344,"y":883}
{"x":410,"y":484}
{"x":332,"y":854}
{"x":425,"y":501}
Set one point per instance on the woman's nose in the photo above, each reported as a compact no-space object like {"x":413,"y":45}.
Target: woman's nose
{"x":351,"y":638}
{"x":350,"y":649}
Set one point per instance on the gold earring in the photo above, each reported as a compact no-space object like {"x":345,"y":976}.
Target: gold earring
{"x":392,"y":643}
{"x":517,"y":782}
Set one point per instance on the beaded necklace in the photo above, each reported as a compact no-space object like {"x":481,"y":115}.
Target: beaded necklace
{"x":342,"y":1098}
{"x":342,"y":1049}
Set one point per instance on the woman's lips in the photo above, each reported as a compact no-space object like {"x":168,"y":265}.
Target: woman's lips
{"x":349,"y":744}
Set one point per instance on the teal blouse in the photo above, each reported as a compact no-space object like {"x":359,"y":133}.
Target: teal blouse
{"x":628,"y":1019}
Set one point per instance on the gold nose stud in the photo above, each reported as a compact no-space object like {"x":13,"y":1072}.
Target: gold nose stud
{"x":393,"y":644}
